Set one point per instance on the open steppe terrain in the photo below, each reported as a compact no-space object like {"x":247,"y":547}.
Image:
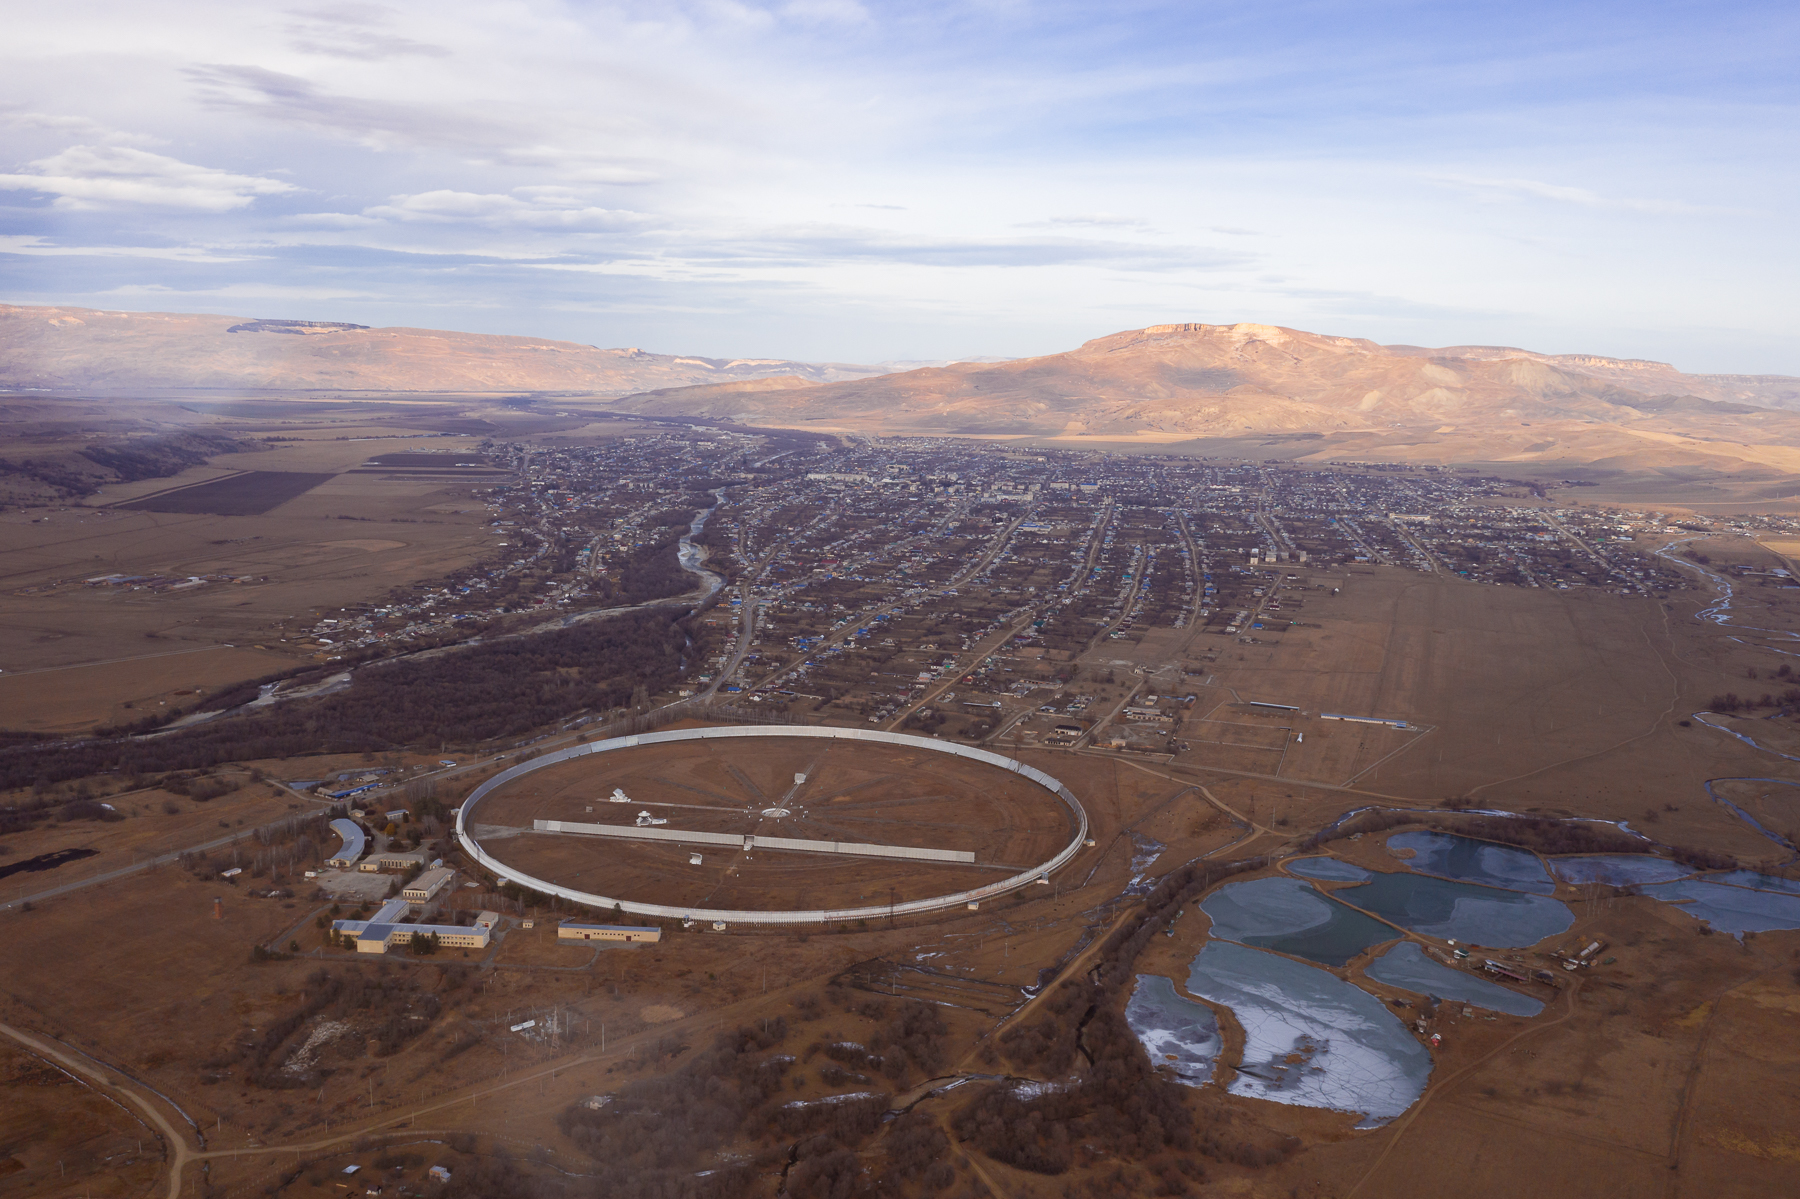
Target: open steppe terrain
{"x":209,"y":586}
{"x":1653,"y":1074}
{"x":867,"y":793}
{"x":1442,"y":625}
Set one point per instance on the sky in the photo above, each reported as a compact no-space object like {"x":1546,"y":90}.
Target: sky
{"x":854,"y":181}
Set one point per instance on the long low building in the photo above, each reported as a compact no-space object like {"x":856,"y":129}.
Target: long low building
{"x":383,"y":931}
{"x":392,"y":859}
{"x":352,"y":848}
{"x":421,"y":889}
{"x":569,"y":930}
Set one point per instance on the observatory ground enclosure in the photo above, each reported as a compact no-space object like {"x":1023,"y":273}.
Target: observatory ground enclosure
{"x":854,"y":792}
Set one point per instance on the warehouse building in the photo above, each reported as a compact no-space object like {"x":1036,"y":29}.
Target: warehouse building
{"x":392,"y":860}
{"x":421,"y":889}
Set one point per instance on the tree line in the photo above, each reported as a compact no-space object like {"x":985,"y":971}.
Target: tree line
{"x":482,"y":692}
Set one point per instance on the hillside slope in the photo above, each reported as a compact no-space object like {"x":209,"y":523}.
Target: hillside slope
{"x":88,"y":349}
{"x":1264,"y":384}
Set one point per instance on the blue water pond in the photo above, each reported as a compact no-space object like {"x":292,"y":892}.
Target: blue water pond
{"x":1310,"y":1038}
{"x":1440,"y":907}
{"x":1288,"y":915}
{"x":1175,"y":1031}
{"x":1328,"y":870}
{"x":1406,"y":966}
{"x":1471,"y":861}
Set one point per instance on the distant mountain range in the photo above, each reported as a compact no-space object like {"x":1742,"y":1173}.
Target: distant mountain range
{"x":1265,"y":391}
{"x":91,"y":350}
{"x":1243,"y":389}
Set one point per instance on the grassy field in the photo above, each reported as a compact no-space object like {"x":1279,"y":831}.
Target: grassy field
{"x":261,"y":575}
{"x":249,"y":494}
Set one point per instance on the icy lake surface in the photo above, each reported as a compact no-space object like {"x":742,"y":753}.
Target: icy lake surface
{"x":1175,"y":1031}
{"x":1406,"y":966}
{"x":1473,"y":861}
{"x":1618,"y":869}
{"x":1734,"y":910}
{"x":1288,"y":915}
{"x":1760,"y":882}
{"x":1328,"y":870}
{"x":1440,"y":907}
{"x":1312,"y":1039}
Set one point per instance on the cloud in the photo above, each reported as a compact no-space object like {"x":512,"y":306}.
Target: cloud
{"x":18,"y":116}
{"x":279,"y":291}
{"x":1101,"y":220}
{"x":350,"y":32}
{"x":840,"y":12}
{"x":332,"y":220}
{"x":19,"y":243}
{"x":545,"y":207}
{"x":387,"y":124}
{"x":111,"y":176}
{"x":1498,"y":190}
{"x":379,"y":123}
{"x":826,"y":246}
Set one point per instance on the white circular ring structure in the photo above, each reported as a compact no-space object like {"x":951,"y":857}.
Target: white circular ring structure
{"x":464,"y":825}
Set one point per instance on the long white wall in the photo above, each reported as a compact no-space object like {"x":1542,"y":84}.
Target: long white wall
{"x":866,"y":849}
{"x":465,"y":822}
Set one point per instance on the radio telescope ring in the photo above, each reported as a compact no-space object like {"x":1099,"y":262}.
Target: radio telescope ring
{"x":465,"y":826}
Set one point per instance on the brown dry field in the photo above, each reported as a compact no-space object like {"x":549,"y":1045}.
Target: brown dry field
{"x":1669,"y":1072}
{"x":883,"y":794}
{"x":109,"y":647}
{"x":1561,"y":702}
{"x":137,"y":972}
{"x":147,"y":831}
{"x":60,"y":1135}
{"x":1682,"y":1026}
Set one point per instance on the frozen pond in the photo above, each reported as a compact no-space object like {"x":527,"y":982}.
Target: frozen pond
{"x":1288,"y":915}
{"x":1440,"y":907}
{"x":1618,"y":869}
{"x":1406,"y":966}
{"x":1472,"y":861}
{"x":1175,"y":1031}
{"x":1328,"y":870}
{"x":1761,"y":882}
{"x":1312,"y":1039}
{"x":1733,"y":910}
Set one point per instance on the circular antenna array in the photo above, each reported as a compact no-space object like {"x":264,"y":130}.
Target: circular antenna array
{"x":784,"y":807}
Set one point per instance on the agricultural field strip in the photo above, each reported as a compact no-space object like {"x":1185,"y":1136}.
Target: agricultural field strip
{"x":252,"y":493}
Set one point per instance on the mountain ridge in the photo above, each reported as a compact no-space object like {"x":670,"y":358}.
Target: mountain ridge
{"x":1242,"y":388}
{"x":99,"y":349}
{"x":1237,"y":383}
